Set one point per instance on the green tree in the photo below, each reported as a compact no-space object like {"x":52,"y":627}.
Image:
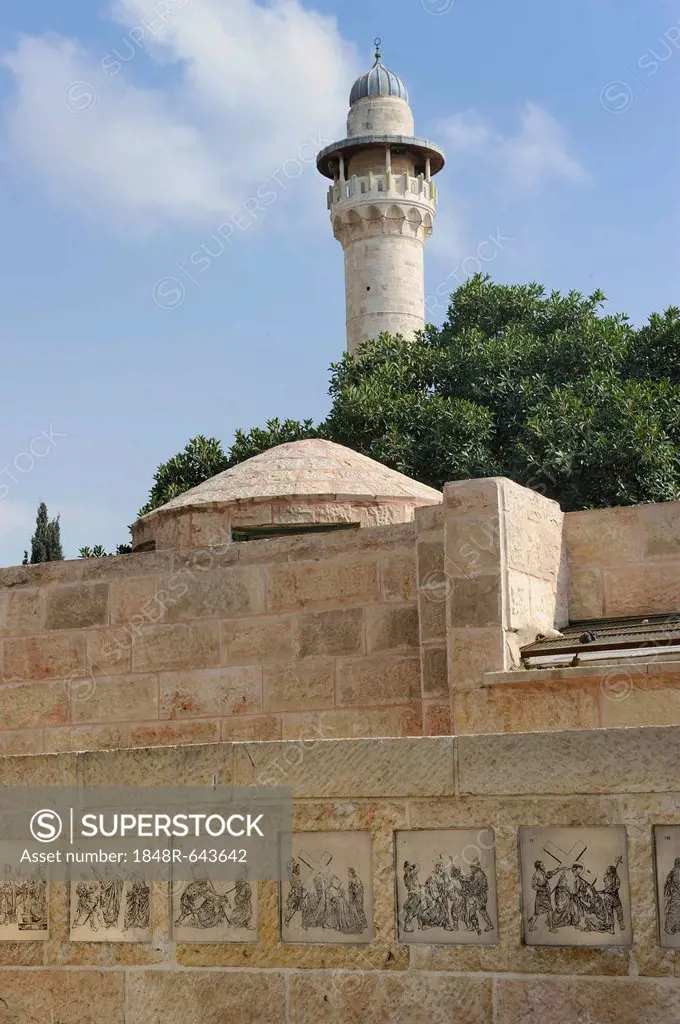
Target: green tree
{"x":544,"y":388}
{"x":254,"y":442}
{"x":99,"y":551}
{"x":202,"y":458}
{"x":46,"y":541}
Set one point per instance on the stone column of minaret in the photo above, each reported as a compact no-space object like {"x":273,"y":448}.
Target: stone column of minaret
{"x":382,"y":204}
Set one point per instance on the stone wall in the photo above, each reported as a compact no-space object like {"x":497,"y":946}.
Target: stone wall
{"x":618,"y":777}
{"x":312,"y":635}
{"x":505,"y":579}
{"x":516,"y":566}
{"x":624,"y":561}
{"x":203,"y":528}
{"x":402,"y":629}
{"x":596,"y":696}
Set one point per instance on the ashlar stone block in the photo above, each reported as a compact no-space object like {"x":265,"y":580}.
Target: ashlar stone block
{"x":64,"y":996}
{"x":206,"y":996}
{"x":77,"y":606}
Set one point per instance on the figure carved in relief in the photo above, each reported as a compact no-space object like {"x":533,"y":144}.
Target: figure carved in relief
{"x":202,"y":906}
{"x":137,"y":903}
{"x":88,"y":909}
{"x":540,"y":883}
{"x":110,"y":895}
{"x":242,"y":905}
{"x":448,"y":898}
{"x":574,"y":900}
{"x":31,"y":905}
{"x":7,"y":903}
{"x":324,"y":902}
{"x":671,"y":897}
{"x":296,"y":894}
{"x":112,"y":903}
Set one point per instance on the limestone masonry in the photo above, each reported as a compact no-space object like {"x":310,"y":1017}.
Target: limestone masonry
{"x":473,"y":697}
{"x":381,"y":672}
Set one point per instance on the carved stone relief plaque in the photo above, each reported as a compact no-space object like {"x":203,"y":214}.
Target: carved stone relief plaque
{"x":574,"y":884}
{"x":24,"y":902}
{"x":212,"y":910}
{"x":326,"y":892}
{"x":110,"y":905}
{"x":446,"y":886}
{"x":667,"y":864}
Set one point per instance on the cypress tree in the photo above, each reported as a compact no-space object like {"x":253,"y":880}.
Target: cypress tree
{"x":46,"y":541}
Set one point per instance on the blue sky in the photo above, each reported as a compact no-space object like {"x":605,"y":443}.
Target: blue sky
{"x":130,"y":132}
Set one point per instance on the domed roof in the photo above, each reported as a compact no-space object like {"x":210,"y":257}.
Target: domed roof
{"x":304,"y":468}
{"x":379,"y":81}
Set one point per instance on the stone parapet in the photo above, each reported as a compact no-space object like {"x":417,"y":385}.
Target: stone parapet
{"x":624,"y":561}
{"x":314,"y":635}
{"x":397,"y":630}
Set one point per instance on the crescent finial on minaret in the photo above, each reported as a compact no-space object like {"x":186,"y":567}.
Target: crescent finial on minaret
{"x":376,"y":42}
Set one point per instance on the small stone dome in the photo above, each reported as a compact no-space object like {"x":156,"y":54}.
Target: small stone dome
{"x":309,"y":484}
{"x":379,"y":81}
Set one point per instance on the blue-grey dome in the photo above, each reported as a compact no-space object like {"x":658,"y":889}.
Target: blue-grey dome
{"x":377,"y":82}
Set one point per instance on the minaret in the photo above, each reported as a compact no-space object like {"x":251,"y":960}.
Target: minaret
{"x":382,"y":204}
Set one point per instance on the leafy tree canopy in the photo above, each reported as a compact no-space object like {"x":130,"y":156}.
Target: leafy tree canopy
{"x":99,"y":551}
{"x":543,"y":388}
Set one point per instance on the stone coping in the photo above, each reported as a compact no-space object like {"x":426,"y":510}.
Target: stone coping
{"x":590,"y":670}
{"x":607,"y":761}
{"x":311,"y":546}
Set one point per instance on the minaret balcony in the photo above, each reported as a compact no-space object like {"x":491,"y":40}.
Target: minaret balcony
{"x":373,"y":187}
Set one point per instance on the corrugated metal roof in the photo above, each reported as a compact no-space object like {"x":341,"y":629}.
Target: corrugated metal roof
{"x":592,"y":636}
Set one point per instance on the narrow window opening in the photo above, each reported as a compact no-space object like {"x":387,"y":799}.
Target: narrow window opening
{"x":147,"y":545}
{"x":245,"y":533}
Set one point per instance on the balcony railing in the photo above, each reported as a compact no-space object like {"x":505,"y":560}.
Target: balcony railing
{"x":379,"y":186}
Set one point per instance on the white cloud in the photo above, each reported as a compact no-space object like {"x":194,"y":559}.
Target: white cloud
{"x":466,"y":131}
{"x":536,"y":155}
{"x":539,"y":152}
{"x":245,"y":86}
